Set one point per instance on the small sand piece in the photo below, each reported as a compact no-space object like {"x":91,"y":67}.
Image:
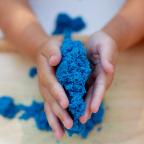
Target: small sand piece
{"x":36,"y":111}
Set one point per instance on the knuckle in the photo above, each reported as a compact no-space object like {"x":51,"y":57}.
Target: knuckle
{"x":52,"y":101}
{"x":54,"y":90}
{"x":60,"y":114}
{"x":47,"y":49}
{"x":47,"y":97}
{"x":43,"y":46}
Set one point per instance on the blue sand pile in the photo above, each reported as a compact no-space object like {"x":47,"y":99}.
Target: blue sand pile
{"x":33,"y":72}
{"x":9,"y":110}
{"x":73,"y":73}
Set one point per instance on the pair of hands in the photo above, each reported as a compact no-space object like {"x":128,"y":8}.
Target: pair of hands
{"x":102,"y":52}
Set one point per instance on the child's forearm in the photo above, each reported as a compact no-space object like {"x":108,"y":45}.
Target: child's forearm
{"x":21,"y":27}
{"x":127,"y":27}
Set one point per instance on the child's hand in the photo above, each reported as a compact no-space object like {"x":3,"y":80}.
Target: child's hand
{"x":29,"y":38}
{"x":102,"y":52}
{"x":56,"y":100}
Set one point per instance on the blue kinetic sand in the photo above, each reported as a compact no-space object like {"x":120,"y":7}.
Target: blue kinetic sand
{"x":73,"y":73}
{"x":65,"y":22}
{"x":33,"y":72}
{"x":8,"y":108}
{"x":36,"y":111}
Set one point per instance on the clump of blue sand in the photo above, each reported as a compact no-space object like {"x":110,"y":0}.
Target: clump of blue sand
{"x":32,"y":72}
{"x":65,"y":22}
{"x":73,"y":73}
{"x":8,"y":108}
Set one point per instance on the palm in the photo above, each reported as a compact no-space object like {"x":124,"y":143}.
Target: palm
{"x":101,"y":53}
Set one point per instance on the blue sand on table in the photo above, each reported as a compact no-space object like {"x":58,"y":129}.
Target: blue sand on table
{"x":33,"y":72}
{"x":36,"y":111}
{"x":65,"y":22}
{"x":8,"y":108}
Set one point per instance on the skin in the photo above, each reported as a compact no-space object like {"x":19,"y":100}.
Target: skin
{"x":23,"y":30}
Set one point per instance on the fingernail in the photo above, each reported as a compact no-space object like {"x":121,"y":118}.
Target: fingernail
{"x":53,"y":60}
{"x":68,"y":124}
{"x":94,"y":110}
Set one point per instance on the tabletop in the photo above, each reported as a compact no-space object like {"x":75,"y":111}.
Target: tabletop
{"x":124,"y":118}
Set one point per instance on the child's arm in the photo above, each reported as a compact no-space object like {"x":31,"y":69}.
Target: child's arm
{"x":123,"y":31}
{"x":21,"y":27}
{"x":127,"y":27}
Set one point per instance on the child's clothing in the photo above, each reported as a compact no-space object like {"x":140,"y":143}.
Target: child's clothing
{"x":96,"y":13}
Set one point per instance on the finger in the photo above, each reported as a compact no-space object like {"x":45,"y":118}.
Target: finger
{"x":108,"y":68}
{"x":47,"y":77}
{"x":53,"y":122}
{"x":58,"y":111}
{"x":51,"y":50}
{"x":87,"y":114}
{"x":62,"y":115}
{"x":99,"y":91}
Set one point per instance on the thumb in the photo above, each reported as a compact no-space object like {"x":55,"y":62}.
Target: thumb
{"x":107,"y":66}
{"x":51,"y":50}
{"x":108,"y":53}
{"x":107,"y":60}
